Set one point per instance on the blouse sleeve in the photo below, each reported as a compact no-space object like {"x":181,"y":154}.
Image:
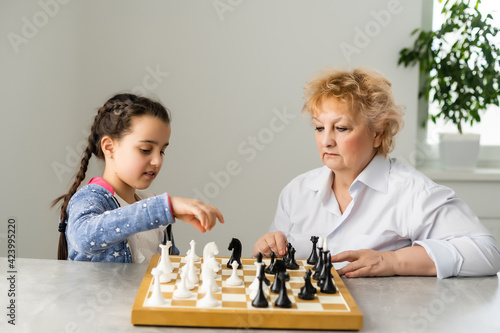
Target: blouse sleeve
{"x":453,"y":236}
{"x":94,"y":225}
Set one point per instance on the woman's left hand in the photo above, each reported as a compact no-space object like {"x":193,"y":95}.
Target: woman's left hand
{"x":367,"y":263}
{"x":412,"y":260}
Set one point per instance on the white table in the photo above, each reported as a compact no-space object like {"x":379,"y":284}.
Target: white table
{"x":65,"y":296}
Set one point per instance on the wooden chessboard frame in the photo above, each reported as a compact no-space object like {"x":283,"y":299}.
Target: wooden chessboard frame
{"x":244,"y":318}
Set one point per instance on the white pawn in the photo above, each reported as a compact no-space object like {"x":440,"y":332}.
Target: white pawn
{"x":165,"y":265}
{"x":255,"y":284}
{"x":192,"y":276}
{"x":234,"y":279}
{"x":325,"y":245}
{"x":208,"y":301}
{"x":192,"y":253}
{"x":182,"y":291}
{"x":156,"y":298}
{"x":189,"y":285}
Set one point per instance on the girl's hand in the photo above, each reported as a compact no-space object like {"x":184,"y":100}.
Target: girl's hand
{"x":200,"y":215}
{"x":367,"y":263}
{"x":272,"y":241}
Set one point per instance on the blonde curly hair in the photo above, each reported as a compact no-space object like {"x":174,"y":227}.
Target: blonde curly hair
{"x":365,"y":92}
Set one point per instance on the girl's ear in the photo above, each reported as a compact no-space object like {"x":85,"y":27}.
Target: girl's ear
{"x":108,"y":146}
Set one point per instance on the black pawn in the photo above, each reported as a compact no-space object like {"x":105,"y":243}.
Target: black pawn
{"x":307,"y":291}
{"x":328,"y":286}
{"x":270,"y":268}
{"x":260,"y":300}
{"x":325,"y":270}
{"x":279,"y":268}
{"x":283,"y":301}
{"x":313,"y":257}
{"x":291,"y":263}
{"x":263,"y":269}
{"x":288,"y":250}
{"x":318,"y":265}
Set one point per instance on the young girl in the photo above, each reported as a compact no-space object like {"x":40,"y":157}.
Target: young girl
{"x":111,"y":219}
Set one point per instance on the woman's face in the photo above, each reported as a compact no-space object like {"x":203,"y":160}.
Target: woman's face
{"x":345,"y":144}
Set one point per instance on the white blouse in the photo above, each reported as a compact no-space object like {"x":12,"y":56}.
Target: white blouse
{"x":143,"y":244}
{"x":393,"y":206}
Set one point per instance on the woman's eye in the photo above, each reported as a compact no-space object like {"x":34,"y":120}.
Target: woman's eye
{"x":145,"y":151}
{"x":319,"y":128}
{"x":342,"y":129}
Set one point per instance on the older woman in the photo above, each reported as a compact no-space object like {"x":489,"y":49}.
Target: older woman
{"x":379,"y":216}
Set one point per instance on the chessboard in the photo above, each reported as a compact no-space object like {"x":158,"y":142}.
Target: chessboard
{"x":326,"y":311}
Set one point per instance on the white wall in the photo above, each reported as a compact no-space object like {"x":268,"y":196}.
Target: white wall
{"x":224,"y":68}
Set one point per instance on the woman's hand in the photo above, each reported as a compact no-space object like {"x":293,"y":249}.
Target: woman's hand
{"x":412,"y":260}
{"x":366,"y":263}
{"x":200,"y":215}
{"x":271,"y":242}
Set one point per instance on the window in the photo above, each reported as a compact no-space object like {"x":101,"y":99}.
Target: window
{"x":490,"y":120}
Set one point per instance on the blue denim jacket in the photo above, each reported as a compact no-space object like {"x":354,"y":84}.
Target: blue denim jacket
{"x":97,"y":228}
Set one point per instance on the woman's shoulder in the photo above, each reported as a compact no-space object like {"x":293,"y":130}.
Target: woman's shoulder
{"x":409,"y":177}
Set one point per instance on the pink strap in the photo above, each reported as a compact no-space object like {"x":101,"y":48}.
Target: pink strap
{"x":101,"y":182}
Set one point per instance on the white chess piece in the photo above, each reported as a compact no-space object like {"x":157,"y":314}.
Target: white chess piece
{"x":165,"y":265}
{"x":182,"y":291}
{"x":192,"y":276}
{"x":254,"y":286}
{"x":156,"y":298}
{"x":234,"y":279}
{"x":325,"y":245}
{"x":208,"y":301}
{"x":208,"y":272}
{"x":193,"y":253}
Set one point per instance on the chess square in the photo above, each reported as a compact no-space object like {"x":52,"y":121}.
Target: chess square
{"x":234,"y":297}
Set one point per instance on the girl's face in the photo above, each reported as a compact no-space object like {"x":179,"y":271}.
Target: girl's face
{"x":344,"y":142}
{"x":137,"y":158}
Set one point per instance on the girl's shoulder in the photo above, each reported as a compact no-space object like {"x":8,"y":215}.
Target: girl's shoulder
{"x":93,"y":192}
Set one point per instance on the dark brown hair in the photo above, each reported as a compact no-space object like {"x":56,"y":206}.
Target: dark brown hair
{"x":113,"y":119}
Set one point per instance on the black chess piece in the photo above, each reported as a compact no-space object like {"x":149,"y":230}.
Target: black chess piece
{"x":270,"y":268}
{"x":283,"y":301}
{"x":167,"y":236}
{"x":263,"y":269}
{"x":260,"y":300}
{"x":328,"y":286}
{"x":291,"y":263}
{"x":235,"y":246}
{"x":325,"y":269}
{"x":318,"y":265}
{"x":308,"y":291}
{"x":289,"y":247}
{"x":313,"y":257}
{"x":279,"y":267}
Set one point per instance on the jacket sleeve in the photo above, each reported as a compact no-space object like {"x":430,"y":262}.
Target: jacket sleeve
{"x":453,"y":236}
{"x":96,"y":224}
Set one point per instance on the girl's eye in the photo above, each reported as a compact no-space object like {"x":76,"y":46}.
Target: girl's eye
{"x":162,"y":153}
{"x":319,"y":128}
{"x":145,"y":151}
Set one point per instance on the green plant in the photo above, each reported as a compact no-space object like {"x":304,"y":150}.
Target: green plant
{"x":460,"y":63}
